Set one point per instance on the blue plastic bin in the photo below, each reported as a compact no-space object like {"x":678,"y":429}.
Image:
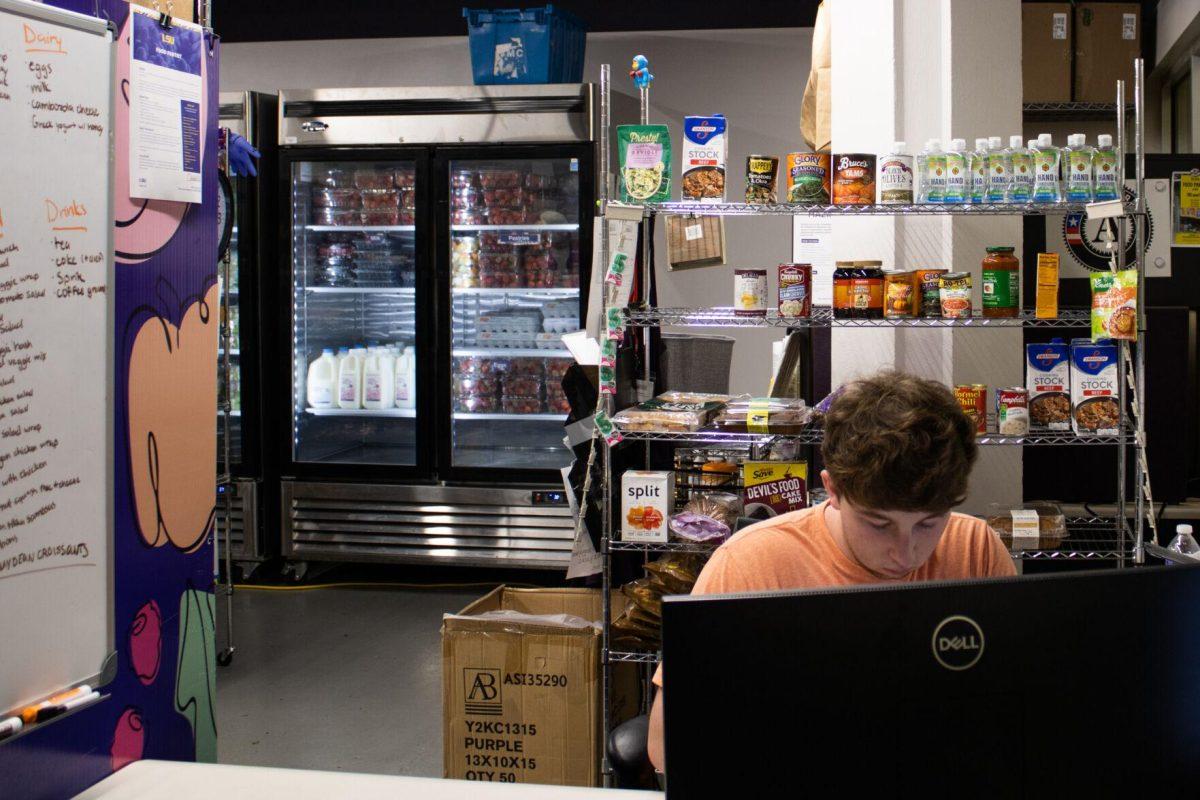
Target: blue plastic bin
{"x":526,"y":45}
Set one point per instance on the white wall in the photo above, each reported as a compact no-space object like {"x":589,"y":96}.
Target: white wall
{"x":1174,"y":17}
{"x":755,"y":77}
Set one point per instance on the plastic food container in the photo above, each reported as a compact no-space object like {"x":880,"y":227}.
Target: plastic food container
{"x":498,"y":279}
{"x":334,"y":178}
{"x":468,"y":216}
{"x":461,"y":179}
{"x":534,"y":180}
{"x":499,"y":178}
{"x":480,"y":365}
{"x":336,"y":249}
{"x":556,"y":368}
{"x":560,"y":325}
{"x":548,"y":341}
{"x":381,"y":217}
{"x":498,"y":260}
{"x":1051,"y":522}
{"x":478,"y":405}
{"x":556,"y":401}
{"x":335,"y":216}
{"x":520,"y":386}
{"x":324,"y":197}
{"x":475,"y":385}
{"x":505,"y":216}
{"x":383,"y":199}
{"x":405,"y":178}
{"x":764,"y":415}
{"x":526,"y":367}
{"x":465,"y":197}
{"x":671,"y":411}
{"x":374,"y":179}
{"x":505,"y":196}
{"x":408,"y":216}
{"x":521,"y":405}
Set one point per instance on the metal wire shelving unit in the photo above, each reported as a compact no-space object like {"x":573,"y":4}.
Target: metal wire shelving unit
{"x":1118,"y":540}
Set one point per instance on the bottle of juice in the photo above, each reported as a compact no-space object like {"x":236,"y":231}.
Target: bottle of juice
{"x":1104,"y":169}
{"x":956,"y":172}
{"x":977,"y":164}
{"x":999,"y":171}
{"x":935,"y":173}
{"x":1047,"y":186}
{"x":1020,"y":185}
{"x":1077,"y":169}
{"x":322,"y":380}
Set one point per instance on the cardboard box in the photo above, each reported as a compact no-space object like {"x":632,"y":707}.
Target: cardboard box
{"x":1108,"y":37}
{"x":179,"y":9}
{"x":1046,"y":52}
{"x":695,"y":242}
{"x":521,"y":696}
{"x":771,"y":488}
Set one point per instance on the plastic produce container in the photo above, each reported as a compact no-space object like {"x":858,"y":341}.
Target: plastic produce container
{"x":525,"y":45}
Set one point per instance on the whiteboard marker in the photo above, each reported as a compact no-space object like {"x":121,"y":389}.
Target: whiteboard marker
{"x":29,"y":713}
{"x":50,"y":712}
{"x":10,"y":726}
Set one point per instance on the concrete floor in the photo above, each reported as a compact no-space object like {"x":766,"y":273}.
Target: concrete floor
{"x":336,"y":679}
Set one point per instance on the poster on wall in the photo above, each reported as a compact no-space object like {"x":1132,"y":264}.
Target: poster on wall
{"x":164,"y":109}
{"x":1185,"y":209}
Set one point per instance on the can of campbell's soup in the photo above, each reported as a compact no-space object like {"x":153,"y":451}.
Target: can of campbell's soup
{"x":1012,"y":411}
{"x":972,"y":397}
{"x":795,"y":290}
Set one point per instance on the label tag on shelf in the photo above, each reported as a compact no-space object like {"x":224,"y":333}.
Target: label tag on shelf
{"x":614,"y":325}
{"x":693,"y":232}
{"x":608,"y":353}
{"x":608,"y":380}
{"x":1059,"y":27}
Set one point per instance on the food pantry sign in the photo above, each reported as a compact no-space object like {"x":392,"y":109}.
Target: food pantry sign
{"x":164,"y":109}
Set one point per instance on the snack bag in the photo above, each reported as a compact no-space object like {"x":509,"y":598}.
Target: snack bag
{"x":1114,"y":305}
{"x":644,"y":158}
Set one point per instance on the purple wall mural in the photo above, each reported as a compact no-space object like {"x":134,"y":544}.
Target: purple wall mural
{"x":162,"y":700}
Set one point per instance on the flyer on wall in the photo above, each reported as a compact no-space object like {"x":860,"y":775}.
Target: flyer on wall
{"x":164,"y":108}
{"x":1185,"y":212}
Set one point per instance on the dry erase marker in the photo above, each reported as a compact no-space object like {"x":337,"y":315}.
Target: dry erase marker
{"x":10,"y":726}
{"x":29,"y":713}
{"x":50,"y":712}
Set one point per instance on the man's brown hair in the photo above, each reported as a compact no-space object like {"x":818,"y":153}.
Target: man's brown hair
{"x":896,"y":442}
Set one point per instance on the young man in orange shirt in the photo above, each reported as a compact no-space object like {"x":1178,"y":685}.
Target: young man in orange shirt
{"x":898,"y":452}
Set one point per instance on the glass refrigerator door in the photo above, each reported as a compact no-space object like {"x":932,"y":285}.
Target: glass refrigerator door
{"x":235,"y":368}
{"x":514,"y":255}
{"x":354,"y":263}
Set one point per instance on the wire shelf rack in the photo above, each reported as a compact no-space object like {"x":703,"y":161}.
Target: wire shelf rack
{"x":807,"y":210}
{"x":633,"y":657}
{"x":1050,"y":112}
{"x":816,"y":435}
{"x":661,"y":547}
{"x":822,"y":317}
{"x":1089,"y":539}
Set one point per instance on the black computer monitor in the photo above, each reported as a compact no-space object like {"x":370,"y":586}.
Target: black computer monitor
{"x":1064,"y":686}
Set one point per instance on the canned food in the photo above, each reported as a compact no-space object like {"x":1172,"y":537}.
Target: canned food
{"x":954,"y":290}
{"x":761,"y":172}
{"x":795,"y":290}
{"x":899,"y":298}
{"x":972,"y":397}
{"x":807,"y":176}
{"x":858,"y":290}
{"x":927,"y":285}
{"x":853,"y":182}
{"x":750,"y":292}
{"x":1012,"y":411}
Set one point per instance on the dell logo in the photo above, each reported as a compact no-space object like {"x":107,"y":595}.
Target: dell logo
{"x":958,"y":643}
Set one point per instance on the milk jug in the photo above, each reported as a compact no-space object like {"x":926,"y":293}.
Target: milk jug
{"x":406,"y":385}
{"x":379,"y":376}
{"x":322,"y":380}
{"x":350,"y":380}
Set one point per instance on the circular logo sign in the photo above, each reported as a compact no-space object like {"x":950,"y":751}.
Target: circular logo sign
{"x":1090,"y":242}
{"x":958,"y":643}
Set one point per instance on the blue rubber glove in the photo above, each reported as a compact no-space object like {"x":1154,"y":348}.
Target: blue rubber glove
{"x":241,"y":156}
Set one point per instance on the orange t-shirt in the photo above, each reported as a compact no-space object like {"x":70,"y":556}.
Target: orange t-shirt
{"x":797,"y":551}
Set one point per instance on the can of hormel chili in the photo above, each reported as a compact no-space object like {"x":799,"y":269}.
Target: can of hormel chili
{"x":795,"y":290}
{"x":972,"y":397}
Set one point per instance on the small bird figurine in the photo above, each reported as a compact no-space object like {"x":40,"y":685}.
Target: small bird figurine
{"x":640,"y":72}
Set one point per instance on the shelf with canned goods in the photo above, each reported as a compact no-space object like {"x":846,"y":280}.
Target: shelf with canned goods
{"x":822,"y":317}
{"x":816,"y":436}
{"x":807,"y":210}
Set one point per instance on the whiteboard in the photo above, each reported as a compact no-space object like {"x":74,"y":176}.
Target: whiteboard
{"x":56,"y":333}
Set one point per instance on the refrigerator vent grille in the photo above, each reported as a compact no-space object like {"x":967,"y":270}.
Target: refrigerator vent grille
{"x":425,"y":524}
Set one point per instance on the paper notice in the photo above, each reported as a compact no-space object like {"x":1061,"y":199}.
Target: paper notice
{"x":812,"y":243}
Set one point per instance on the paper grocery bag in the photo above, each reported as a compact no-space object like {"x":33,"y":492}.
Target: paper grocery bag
{"x":816,"y":110}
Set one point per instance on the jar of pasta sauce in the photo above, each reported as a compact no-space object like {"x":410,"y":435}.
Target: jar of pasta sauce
{"x":1001,"y":283}
{"x":858,"y":290}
